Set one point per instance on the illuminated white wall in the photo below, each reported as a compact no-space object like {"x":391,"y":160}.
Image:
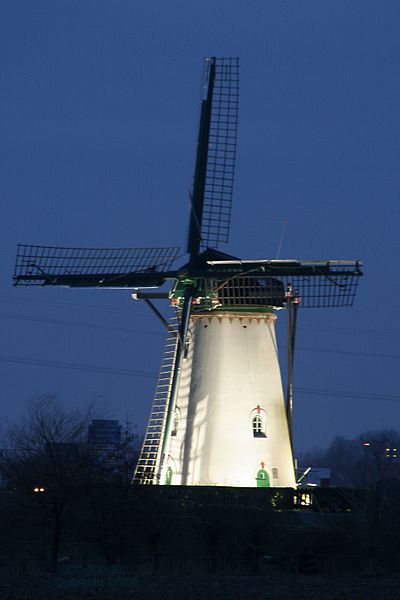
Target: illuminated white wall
{"x":231,"y":374}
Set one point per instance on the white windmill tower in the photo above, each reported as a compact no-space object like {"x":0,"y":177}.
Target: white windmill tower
{"x":219,"y":416}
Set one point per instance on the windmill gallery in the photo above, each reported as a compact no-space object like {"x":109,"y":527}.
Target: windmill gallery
{"x":219,"y":416}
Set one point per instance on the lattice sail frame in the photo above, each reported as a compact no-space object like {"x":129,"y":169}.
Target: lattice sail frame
{"x":317,"y":284}
{"x":254,"y":285}
{"x":221,"y":158}
{"x":51,"y":265}
{"x":318,"y":291}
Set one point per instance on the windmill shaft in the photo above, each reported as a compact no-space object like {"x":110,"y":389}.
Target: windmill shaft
{"x":292,"y":308}
{"x":105,"y":280}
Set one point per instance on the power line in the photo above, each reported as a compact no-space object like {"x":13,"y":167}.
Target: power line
{"x":62,"y":322}
{"x":57,"y":364}
{"x":95,"y":326}
{"x":345,"y":394}
{"x":72,"y":305}
{"x":149,"y":375}
{"x":345,"y":330}
{"x":349,"y":352}
{"x":134,"y":312}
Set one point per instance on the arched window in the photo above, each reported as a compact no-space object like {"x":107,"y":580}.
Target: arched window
{"x":175,"y":423}
{"x":258,"y":426}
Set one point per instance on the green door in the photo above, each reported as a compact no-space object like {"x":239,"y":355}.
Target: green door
{"x":168,"y":476}
{"x":262,"y":478}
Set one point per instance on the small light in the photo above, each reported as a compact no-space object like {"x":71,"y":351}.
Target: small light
{"x":41,"y":489}
{"x":366,"y":444}
{"x":305,"y":499}
{"x":36,"y":489}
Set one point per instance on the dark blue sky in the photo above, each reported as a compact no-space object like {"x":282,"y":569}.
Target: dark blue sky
{"x":99,"y":107}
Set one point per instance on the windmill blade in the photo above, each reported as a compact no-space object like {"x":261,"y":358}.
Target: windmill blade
{"x":92,"y":267}
{"x":316,"y":284}
{"x":211,"y":199}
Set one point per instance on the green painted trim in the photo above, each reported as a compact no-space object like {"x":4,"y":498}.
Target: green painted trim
{"x":206,"y":299}
{"x":242,"y":309}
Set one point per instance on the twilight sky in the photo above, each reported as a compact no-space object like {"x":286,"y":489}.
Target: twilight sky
{"x":99,"y":107}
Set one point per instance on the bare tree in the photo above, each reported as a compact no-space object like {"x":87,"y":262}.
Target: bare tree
{"x":342,"y":457}
{"x":110,"y":499}
{"x":378,"y":455}
{"x":314,"y":456}
{"x":48,"y":461}
{"x":378,"y":465}
{"x":370,"y":462}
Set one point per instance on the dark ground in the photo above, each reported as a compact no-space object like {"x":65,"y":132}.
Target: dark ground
{"x":121,"y":586}
{"x":198,"y":544}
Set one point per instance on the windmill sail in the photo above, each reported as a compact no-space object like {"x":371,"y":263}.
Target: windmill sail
{"x":92,"y":267}
{"x":216,"y":154}
{"x":318,"y":284}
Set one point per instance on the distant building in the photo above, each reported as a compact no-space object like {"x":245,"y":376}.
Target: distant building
{"x":104,"y":440}
{"x":392,"y":454}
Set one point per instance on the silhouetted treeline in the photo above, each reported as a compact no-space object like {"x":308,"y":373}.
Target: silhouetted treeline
{"x":172,"y":530}
{"x":61,"y":507}
{"x":373,"y":456}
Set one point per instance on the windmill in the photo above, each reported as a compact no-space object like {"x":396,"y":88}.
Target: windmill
{"x":219,"y":415}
